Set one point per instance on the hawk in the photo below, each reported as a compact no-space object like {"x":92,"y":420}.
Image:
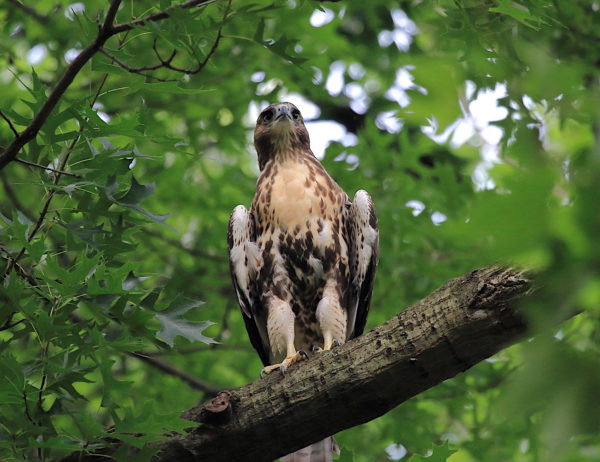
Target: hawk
{"x":303,"y":258}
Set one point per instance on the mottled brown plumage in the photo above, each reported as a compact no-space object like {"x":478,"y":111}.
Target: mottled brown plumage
{"x":303,"y":258}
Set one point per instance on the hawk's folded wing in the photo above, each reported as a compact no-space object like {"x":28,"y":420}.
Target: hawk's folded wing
{"x":245,"y":263}
{"x":363,"y":243}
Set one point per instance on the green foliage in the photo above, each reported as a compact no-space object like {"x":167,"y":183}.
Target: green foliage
{"x":128,"y":253}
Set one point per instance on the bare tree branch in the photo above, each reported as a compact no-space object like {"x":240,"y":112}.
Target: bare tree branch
{"x":106,"y":31}
{"x":463,"y":322}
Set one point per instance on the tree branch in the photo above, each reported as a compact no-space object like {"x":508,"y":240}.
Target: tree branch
{"x":463,"y":322}
{"x":106,"y":31}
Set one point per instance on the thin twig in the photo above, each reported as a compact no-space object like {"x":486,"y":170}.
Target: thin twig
{"x":9,"y":324}
{"x":10,"y":124}
{"x":168,"y":368}
{"x":162,"y":61}
{"x":27,"y":414}
{"x":31,"y":11}
{"x":128,"y":68}
{"x":33,"y":164}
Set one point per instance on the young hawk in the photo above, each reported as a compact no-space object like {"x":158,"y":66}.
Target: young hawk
{"x":303,"y":258}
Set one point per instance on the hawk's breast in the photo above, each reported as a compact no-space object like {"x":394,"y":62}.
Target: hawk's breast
{"x":300,"y":215}
{"x":300,"y":194}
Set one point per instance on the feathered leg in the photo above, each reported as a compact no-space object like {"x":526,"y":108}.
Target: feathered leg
{"x":331,"y":316}
{"x":280,"y":327}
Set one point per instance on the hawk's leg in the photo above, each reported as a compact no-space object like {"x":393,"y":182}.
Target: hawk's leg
{"x":331,"y":316}
{"x":280,"y":328}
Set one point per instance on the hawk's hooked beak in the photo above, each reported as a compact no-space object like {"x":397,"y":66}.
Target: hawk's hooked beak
{"x":282,"y":112}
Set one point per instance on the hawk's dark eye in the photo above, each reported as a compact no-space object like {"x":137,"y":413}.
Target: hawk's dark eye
{"x":296,"y":114}
{"x":268,"y":115}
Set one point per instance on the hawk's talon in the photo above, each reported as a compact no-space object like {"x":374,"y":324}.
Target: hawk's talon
{"x":316,"y":349}
{"x":336,"y":342}
{"x":283,"y":365}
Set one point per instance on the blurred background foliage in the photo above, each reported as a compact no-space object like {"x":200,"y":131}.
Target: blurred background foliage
{"x":474,"y":124}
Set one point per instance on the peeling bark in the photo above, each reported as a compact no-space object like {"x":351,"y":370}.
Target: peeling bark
{"x":463,"y":322}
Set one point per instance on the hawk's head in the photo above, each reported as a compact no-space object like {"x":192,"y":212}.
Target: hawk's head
{"x":279,"y":129}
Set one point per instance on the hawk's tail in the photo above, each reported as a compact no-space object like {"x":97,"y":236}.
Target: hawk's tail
{"x":317,"y":452}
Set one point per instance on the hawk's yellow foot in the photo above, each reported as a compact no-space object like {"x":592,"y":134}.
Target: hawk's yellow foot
{"x":287,"y":362}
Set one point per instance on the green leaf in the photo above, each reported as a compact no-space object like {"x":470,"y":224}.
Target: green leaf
{"x":133,"y":197}
{"x":519,"y":12}
{"x":173,"y":323}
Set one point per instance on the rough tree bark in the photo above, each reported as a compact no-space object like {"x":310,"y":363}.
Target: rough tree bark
{"x":463,"y":322}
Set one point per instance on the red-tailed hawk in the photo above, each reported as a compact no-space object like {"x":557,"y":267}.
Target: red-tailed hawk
{"x":303,"y":258}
